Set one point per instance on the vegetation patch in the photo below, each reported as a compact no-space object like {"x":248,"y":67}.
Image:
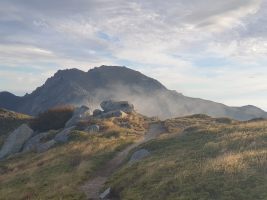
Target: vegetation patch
{"x":52,"y":119}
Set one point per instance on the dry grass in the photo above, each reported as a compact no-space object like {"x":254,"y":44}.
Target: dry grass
{"x":59,"y":172}
{"x":208,"y":159}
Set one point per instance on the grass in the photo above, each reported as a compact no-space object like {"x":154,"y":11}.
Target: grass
{"x":9,"y":121}
{"x":200,"y":158}
{"x":59,"y":172}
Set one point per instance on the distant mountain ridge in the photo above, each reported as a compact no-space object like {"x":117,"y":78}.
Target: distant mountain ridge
{"x":150,"y":97}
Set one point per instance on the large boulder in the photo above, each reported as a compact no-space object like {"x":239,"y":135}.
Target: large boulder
{"x":93,"y":128}
{"x":16,"y":140}
{"x":97,"y":112}
{"x":34,"y":142}
{"x":115,"y":113}
{"x":139,"y":155}
{"x":79,"y":114}
{"x":46,"y":146}
{"x":110,"y":105}
{"x":39,"y":141}
{"x":63,"y":136}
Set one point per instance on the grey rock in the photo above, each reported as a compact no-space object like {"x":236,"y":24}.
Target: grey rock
{"x":97,"y":112}
{"x":110,"y":105}
{"x":93,"y":129}
{"x":46,"y":146}
{"x":116,"y":113}
{"x":105,"y":194}
{"x":63,"y":135}
{"x":80,"y":113}
{"x":139,"y":155}
{"x":16,"y":140}
{"x":34,"y":142}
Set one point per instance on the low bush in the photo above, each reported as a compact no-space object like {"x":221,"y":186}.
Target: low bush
{"x":52,"y":119}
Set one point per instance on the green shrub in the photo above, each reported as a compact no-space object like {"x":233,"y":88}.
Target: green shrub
{"x":52,"y":119}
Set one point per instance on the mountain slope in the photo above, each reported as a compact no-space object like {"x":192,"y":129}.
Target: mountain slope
{"x":9,"y":101}
{"x":112,"y":82}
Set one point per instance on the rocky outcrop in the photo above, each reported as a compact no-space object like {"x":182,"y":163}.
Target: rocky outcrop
{"x":110,"y":105}
{"x":139,"y":155}
{"x":114,"y":109}
{"x":115,"y":113}
{"x":46,"y":146}
{"x":33,"y":143}
{"x":63,"y":135}
{"x":79,"y":114}
{"x":97,"y":112}
{"x":93,"y":129}
{"x":16,"y":140}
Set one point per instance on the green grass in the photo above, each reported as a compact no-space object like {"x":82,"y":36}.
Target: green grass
{"x":216,"y":159}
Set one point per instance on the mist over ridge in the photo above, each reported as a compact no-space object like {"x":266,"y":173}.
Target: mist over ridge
{"x":150,"y":97}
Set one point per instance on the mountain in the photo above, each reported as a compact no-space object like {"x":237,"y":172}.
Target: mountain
{"x":9,"y":100}
{"x":150,"y":97}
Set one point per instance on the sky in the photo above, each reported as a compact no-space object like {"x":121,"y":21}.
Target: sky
{"x":211,"y":49}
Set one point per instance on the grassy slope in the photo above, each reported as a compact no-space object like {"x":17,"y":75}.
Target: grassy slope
{"x":59,"y":172}
{"x":10,"y":121}
{"x":206,"y":160}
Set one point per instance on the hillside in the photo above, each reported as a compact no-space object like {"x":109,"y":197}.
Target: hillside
{"x":59,"y":172}
{"x":9,"y":121}
{"x":196,"y":157}
{"x":150,"y":97}
{"x":200,"y":158}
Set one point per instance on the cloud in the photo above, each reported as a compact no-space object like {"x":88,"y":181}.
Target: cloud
{"x":165,"y":39}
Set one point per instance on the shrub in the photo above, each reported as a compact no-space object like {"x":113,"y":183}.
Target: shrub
{"x":52,"y":119}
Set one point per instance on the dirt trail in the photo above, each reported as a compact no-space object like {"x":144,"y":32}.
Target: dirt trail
{"x":92,"y":187}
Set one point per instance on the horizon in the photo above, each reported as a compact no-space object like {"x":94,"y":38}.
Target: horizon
{"x":215,"y":52}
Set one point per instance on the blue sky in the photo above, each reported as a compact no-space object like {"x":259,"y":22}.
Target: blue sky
{"x":210,"y":49}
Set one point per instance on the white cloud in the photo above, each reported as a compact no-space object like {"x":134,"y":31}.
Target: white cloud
{"x":164,"y":39}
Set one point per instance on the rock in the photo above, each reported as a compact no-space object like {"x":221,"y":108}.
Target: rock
{"x":110,"y":105}
{"x":63,"y":135}
{"x":16,"y":140}
{"x":93,"y":128}
{"x":116,"y":113}
{"x":139,"y":155}
{"x":105,"y":194}
{"x":34,"y":142}
{"x":46,"y":146}
{"x":97,"y":112}
{"x":80,"y":113}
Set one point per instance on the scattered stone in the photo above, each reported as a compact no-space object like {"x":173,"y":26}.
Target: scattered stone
{"x":110,"y":105}
{"x":116,"y":113}
{"x":97,"y":112}
{"x":16,"y":140}
{"x":63,"y":135}
{"x":46,"y":146}
{"x":105,"y":194}
{"x":93,"y":129}
{"x":80,"y":113}
{"x":139,"y":155}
